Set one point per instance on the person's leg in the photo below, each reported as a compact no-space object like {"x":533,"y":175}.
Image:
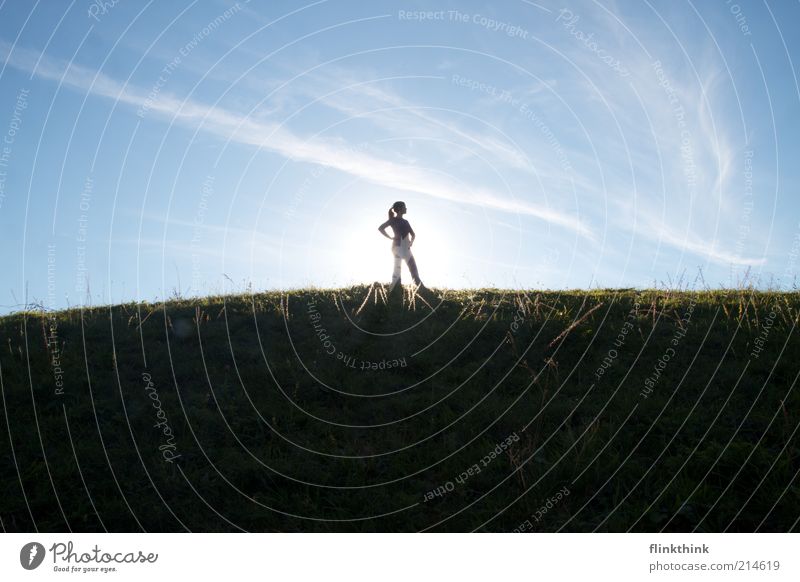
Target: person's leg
{"x":412,"y":267}
{"x":396,"y":272}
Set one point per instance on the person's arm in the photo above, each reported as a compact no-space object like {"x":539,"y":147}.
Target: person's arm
{"x":382,"y":229}
{"x":411,"y":235}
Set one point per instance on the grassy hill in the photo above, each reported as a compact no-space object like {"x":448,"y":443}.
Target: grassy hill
{"x":347,"y":410}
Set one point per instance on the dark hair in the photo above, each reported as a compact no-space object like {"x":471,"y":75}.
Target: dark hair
{"x":395,"y":207}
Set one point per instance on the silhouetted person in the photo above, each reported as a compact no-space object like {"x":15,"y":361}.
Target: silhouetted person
{"x":401,"y":242}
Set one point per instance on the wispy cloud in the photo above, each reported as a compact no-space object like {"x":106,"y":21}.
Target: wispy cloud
{"x":692,"y":243}
{"x":385,"y":108}
{"x":679,"y":140}
{"x":279,"y":139}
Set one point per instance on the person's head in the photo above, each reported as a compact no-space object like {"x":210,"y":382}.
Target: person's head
{"x":399,"y":208}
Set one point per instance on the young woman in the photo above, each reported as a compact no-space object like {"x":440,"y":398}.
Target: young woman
{"x":401,"y":242}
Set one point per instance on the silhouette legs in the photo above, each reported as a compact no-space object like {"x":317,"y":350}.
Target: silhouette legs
{"x":396,"y":273}
{"x":412,"y":266}
{"x":402,"y":252}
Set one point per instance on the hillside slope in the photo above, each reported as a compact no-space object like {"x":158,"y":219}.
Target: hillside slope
{"x":345,"y":410}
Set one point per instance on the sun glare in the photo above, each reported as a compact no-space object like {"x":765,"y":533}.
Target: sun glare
{"x":367,"y":256}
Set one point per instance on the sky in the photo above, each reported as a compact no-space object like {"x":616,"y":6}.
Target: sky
{"x":158,"y":149}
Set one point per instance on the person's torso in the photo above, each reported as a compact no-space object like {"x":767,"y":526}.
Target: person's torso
{"x":400,"y":227}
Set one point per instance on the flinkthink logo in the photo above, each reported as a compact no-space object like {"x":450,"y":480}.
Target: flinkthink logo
{"x":31,"y":555}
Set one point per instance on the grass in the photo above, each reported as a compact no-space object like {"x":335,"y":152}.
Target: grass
{"x":485,"y":410}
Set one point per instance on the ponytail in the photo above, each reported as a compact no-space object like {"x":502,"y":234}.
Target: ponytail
{"x":394,"y":208}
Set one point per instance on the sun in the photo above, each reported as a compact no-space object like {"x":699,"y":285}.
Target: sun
{"x":367,"y":256}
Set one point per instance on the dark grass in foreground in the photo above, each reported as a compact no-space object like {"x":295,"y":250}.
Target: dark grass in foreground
{"x":542,"y":411}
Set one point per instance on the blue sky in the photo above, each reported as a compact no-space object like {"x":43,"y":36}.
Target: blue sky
{"x":155,"y":148}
